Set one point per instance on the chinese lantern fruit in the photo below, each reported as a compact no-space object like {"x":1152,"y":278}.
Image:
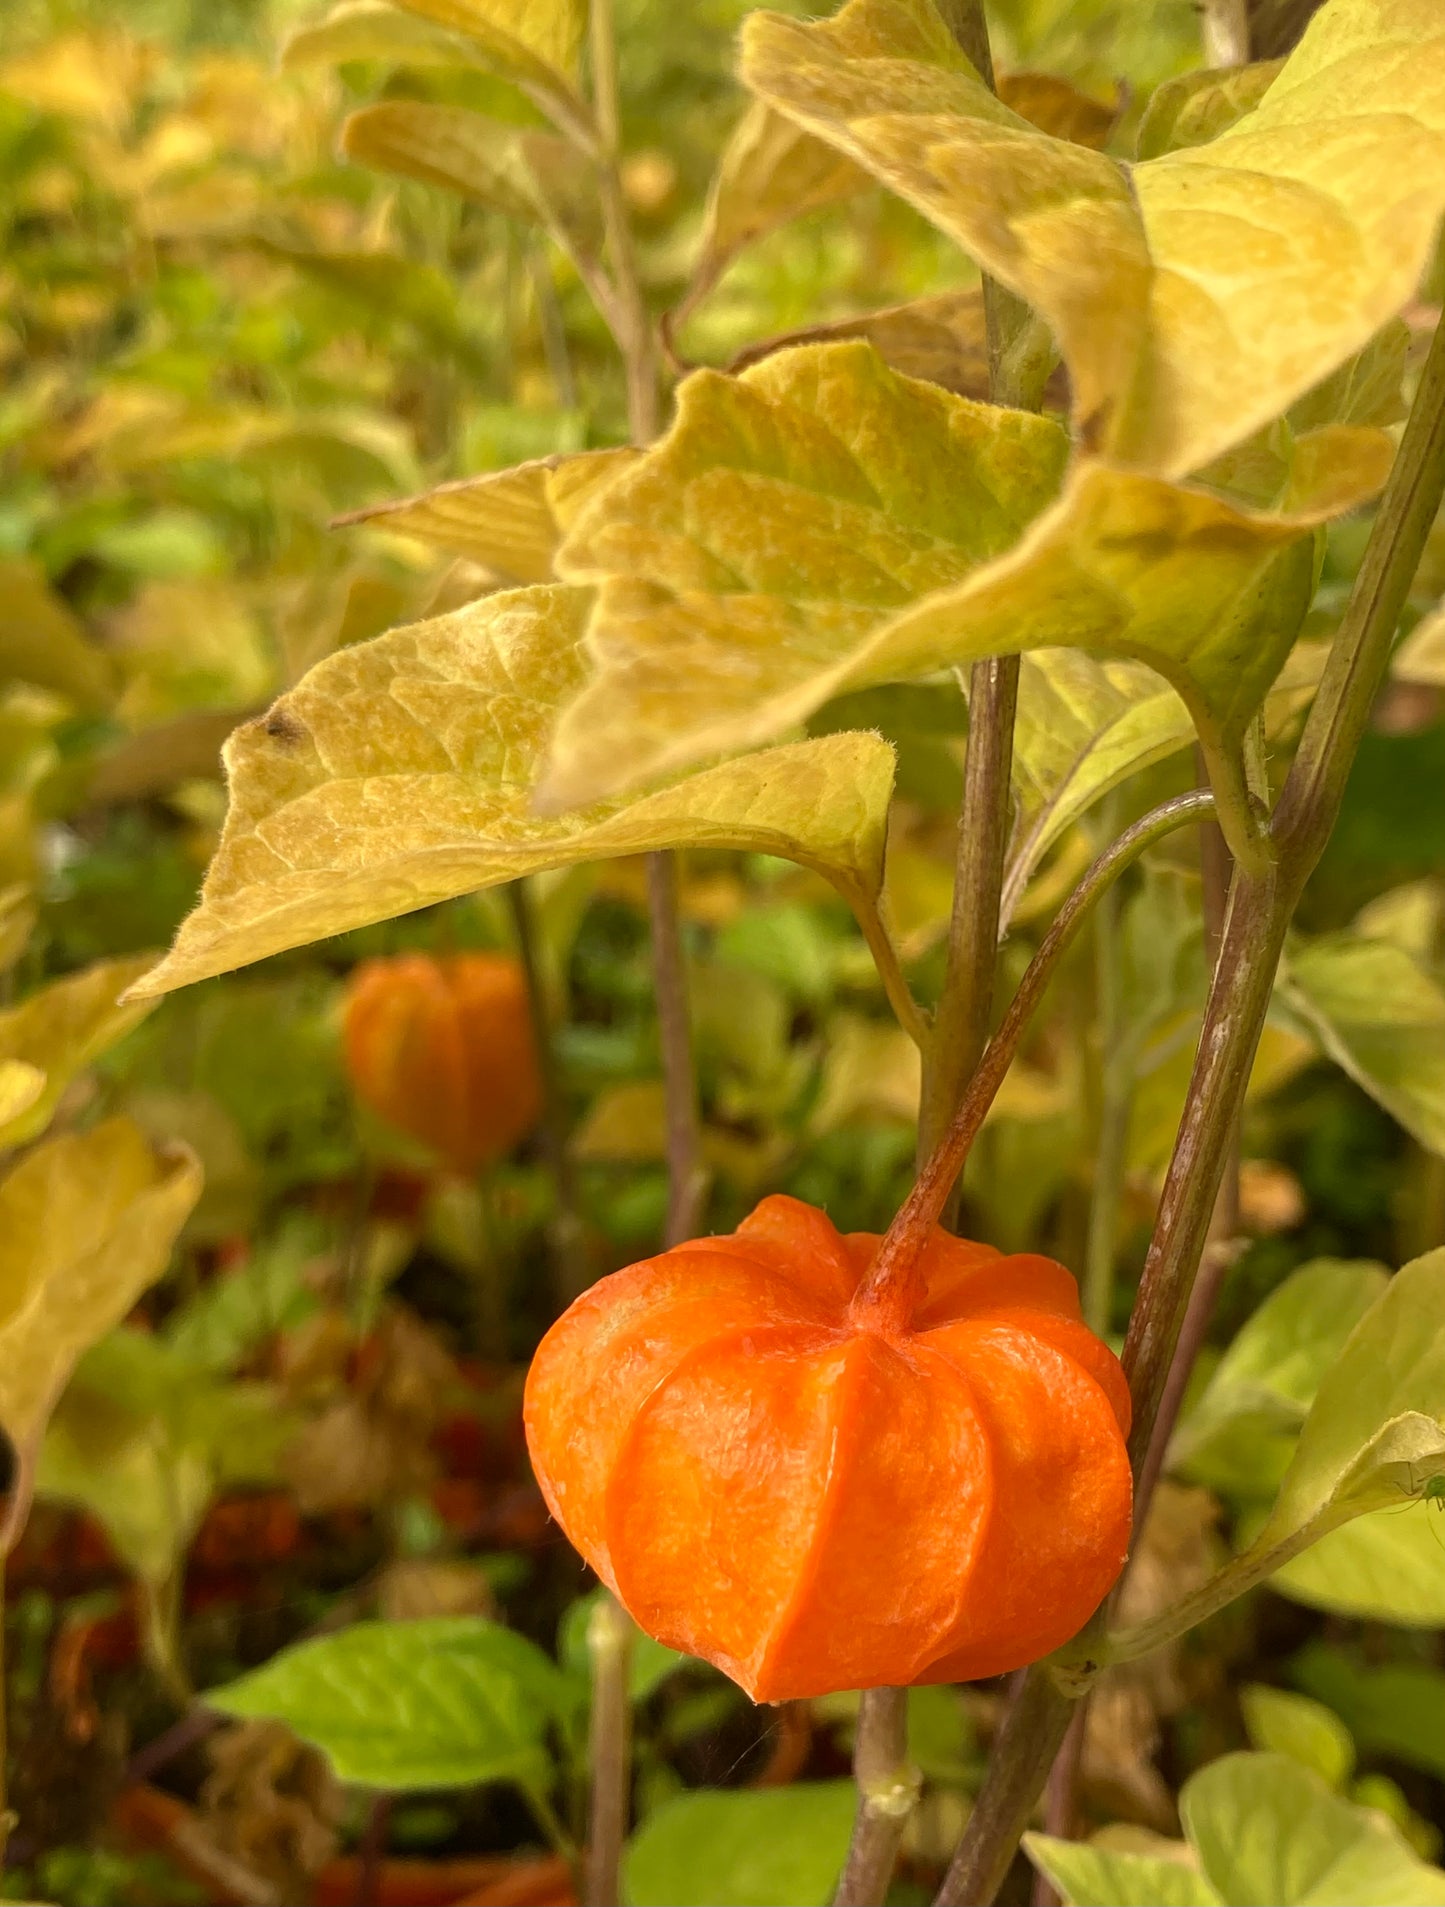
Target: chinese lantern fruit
{"x":444,"y":1050}
{"x":775,"y":1472}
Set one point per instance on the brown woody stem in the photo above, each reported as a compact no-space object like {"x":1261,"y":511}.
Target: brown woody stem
{"x":1260,"y":910}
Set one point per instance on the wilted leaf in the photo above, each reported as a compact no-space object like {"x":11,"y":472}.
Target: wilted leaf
{"x":740,"y":1847}
{"x":1381,"y":1016}
{"x":940,"y":339}
{"x":402,"y":772}
{"x":894,"y":513}
{"x":1241,"y":1434}
{"x":1195,"y":298}
{"x":512,"y":521}
{"x":1281,"y":1722}
{"x":60,"y":1030}
{"x":1101,"y":1877}
{"x":531,"y":176}
{"x":1056,"y":107}
{"x":1268,"y":1830}
{"x":1197,"y":107}
{"x":41,"y":641}
{"x":448,"y":1701}
{"x":86,"y":1224}
{"x":770,"y":172}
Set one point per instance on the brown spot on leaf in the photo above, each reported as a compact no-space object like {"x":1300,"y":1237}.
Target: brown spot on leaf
{"x":282,"y":726}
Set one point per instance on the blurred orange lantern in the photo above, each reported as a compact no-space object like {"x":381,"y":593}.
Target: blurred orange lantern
{"x":818,"y":1489}
{"x":444,"y":1050}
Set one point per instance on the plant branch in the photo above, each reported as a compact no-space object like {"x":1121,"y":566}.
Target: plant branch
{"x":1259,"y":914}
{"x":629,"y":320}
{"x":568,"y":1238}
{"x":1226,"y":32}
{"x":893,"y":1274}
{"x":888,"y":1789}
{"x":609,"y":1645}
{"x":960,"y":1028}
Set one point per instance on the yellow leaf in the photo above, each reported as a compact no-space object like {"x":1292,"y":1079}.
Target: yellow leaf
{"x":770,"y":173}
{"x":822,"y":524}
{"x":549,"y":29}
{"x":17,"y":923}
{"x":940,"y":339}
{"x":371,"y":30}
{"x":42,"y":642}
{"x":403,"y":771}
{"x":625,"y":1125}
{"x":1197,"y":295}
{"x":60,"y":1030}
{"x":21,"y":1084}
{"x":512,"y":521}
{"x":86,"y":1224}
{"x":530,"y":176}
{"x":1198,"y":107}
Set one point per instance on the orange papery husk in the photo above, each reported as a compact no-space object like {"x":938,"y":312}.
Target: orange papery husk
{"x":777,"y":1476}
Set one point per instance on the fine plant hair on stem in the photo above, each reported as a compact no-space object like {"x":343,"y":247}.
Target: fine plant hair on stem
{"x":567,"y":1227}
{"x":1259,"y":915}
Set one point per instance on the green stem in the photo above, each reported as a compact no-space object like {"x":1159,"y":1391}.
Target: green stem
{"x":1260,"y":911}
{"x":1116,"y":1097}
{"x":906,"y":1010}
{"x":568,"y":1237}
{"x":609,"y":1646}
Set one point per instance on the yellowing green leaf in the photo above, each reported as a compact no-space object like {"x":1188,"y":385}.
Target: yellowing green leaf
{"x":1386,"y":1567}
{"x":60,"y":1030}
{"x":403,"y":771}
{"x":940,"y":339}
{"x":1380,"y":1014}
{"x":142,"y":1439}
{"x":770,"y":172}
{"x":1198,"y":107}
{"x":894,"y":513}
{"x":86,"y":1224}
{"x":42,"y":642}
{"x":532,"y":43}
{"x":1105,"y":1877}
{"x":1198,"y":296}
{"x":371,"y":30}
{"x":1268,"y":1829}
{"x":512,"y":521}
{"x":1279,"y":1721}
{"x":549,"y":29}
{"x":531,"y":176}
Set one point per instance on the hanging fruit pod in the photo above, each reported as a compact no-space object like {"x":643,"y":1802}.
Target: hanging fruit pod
{"x":777,"y":1473}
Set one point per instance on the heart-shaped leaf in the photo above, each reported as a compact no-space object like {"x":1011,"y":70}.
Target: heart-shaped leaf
{"x":444,"y":1702}
{"x":403,"y":771}
{"x":1197,"y":294}
{"x":907,"y":531}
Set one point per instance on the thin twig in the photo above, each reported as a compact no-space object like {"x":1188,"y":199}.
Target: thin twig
{"x":609,"y":1647}
{"x":686,"y":1180}
{"x":892,"y":1277}
{"x":567,"y":1230}
{"x":1061,"y":1796}
{"x":906,"y":1010}
{"x":1226,"y":32}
